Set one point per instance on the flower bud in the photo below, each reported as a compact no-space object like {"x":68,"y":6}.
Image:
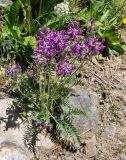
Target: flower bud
{"x":61,"y":9}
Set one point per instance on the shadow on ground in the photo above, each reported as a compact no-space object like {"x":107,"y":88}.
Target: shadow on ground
{"x":10,"y":118}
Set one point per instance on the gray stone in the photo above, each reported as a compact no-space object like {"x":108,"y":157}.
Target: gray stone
{"x":69,"y":158}
{"x":124,"y":110}
{"x":88,"y":102}
{"x":110,"y":130}
{"x":53,"y":157}
{"x":11,"y":135}
{"x":90,"y":147}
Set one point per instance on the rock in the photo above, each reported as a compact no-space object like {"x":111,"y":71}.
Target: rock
{"x":110,"y":130}
{"x":90,"y":147}
{"x":11,"y":138}
{"x":69,"y":158}
{"x":88,"y":102}
{"x":53,"y":157}
{"x":11,"y":135}
{"x":124,"y":110}
{"x":12,"y":151}
{"x":8,"y":114}
{"x":122,"y":157}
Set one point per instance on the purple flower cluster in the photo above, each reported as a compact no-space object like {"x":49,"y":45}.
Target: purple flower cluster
{"x":13,"y":69}
{"x":64,"y":68}
{"x":49,"y":44}
{"x":40,"y":123}
{"x":64,"y":47}
{"x":1,"y":16}
{"x":94,"y":45}
{"x":73,"y":30}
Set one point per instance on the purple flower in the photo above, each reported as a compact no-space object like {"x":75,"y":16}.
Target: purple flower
{"x":49,"y":43}
{"x":8,"y":70}
{"x":91,"y":21}
{"x":74,"y":30}
{"x":44,"y":126}
{"x":76,"y":48}
{"x":41,"y":123}
{"x":37,"y":123}
{"x":64,"y":68}
{"x":13,"y":69}
{"x":64,"y":46}
{"x":94,"y":45}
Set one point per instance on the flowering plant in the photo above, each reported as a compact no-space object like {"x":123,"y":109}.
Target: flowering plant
{"x":44,"y":89}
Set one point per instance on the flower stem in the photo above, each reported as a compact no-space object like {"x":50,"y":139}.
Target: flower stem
{"x":29,"y":15}
{"x":40,"y":7}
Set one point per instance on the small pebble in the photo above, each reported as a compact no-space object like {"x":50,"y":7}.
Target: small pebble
{"x":110,"y":130}
{"x":53,"y":157}
{"x":124,"y":110}
{"x":69,"y":158}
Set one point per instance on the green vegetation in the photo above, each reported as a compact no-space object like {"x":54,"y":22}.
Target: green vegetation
{"x":46,"y":43}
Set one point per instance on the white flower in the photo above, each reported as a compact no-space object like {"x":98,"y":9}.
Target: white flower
{"x":61,"y":9}
{"x":6,"y":2}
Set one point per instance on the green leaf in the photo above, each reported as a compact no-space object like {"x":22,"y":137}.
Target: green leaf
{"x":31,"y":137}
{"x":26,"y":56}
{"x":24,"y":113}
{"x":97,"y":6}
{"x":63,"y":127}
{"x":77,"y":111}
{"x":14,"y":12}
{"x":117,"y":48}
{"x":99,"y":58}
{"x":105,"y":16}
{"x":17,"y":101}
{"x":68,"y":130}
{"x":30,"y":40}
{"x":23,"y":1}
{"x":30,"y":106}
{"x":111,"y":37}
{"x":16,"y":32}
